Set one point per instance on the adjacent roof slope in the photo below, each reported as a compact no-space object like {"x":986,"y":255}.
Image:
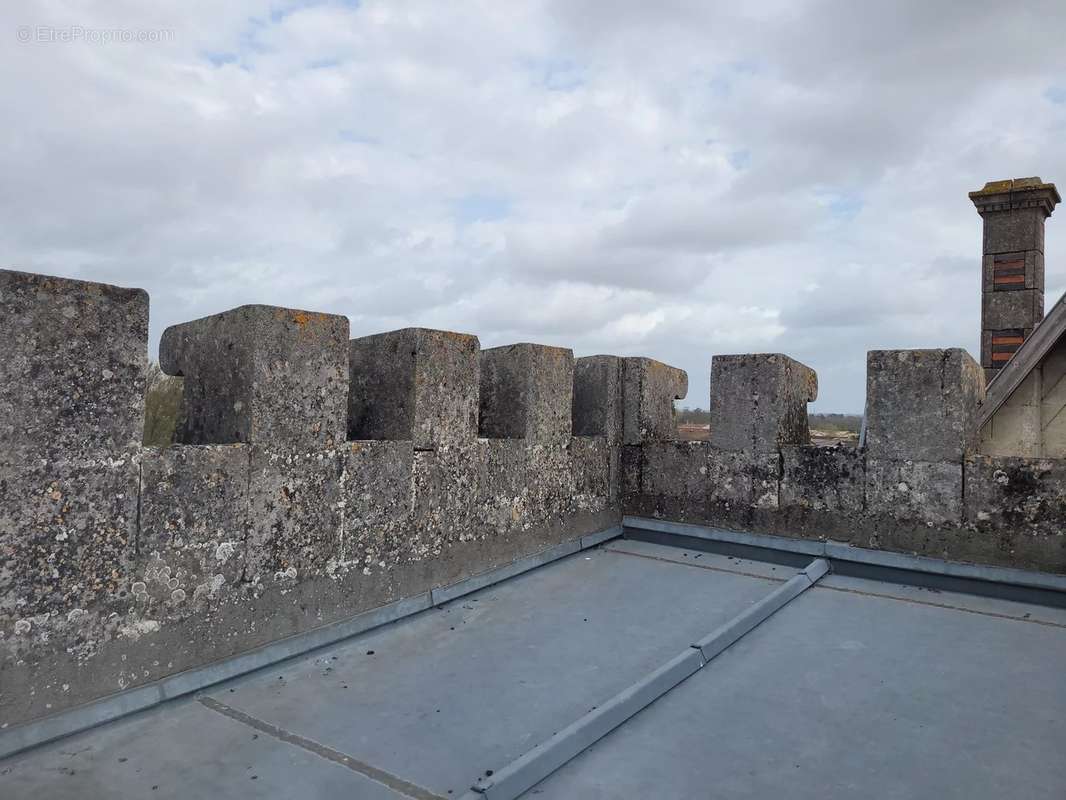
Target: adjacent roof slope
{"x":1025,"y":359}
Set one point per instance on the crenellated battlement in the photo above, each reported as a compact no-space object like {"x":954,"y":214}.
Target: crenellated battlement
{"x":317,"y":476}
{"x":261,"y":375}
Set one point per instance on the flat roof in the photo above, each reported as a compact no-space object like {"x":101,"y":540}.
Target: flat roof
{"x":851,"y":687}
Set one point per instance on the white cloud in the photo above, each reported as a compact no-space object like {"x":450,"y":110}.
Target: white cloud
{"x":672,"y":179}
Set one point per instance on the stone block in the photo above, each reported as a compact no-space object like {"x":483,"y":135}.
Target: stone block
{"x":523,"y":485}
{"x":1022,"y":309}
{"x":823,"y":478}
{"x":68,"y":532}
{"x":263,"y":375}
{"x":738,"y":479}
{"x":72,"y":376}
{"x":377,"y":492}
{"x":295,"y":514}
{"x":527,"y":392}
{"x":597,"y":406}
{"x":921,"y":405}
{"x":549,"y":489}
{"x":415,"y":384}
{"x":929,"y":493}
{"x":194,"y":523}
{"x":1024,"y":495}
{"x":502,"y":500}
{"x":1018,"y":229}
{"x":444,"y":497}
{"x":678,"y":471}
{"x":631,"y":468}
{"x":590,"y":468}
{"x":649,"y":389}
{"x":759,"y":402}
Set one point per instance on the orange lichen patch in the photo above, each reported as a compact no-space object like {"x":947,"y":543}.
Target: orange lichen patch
{"x":304,"y":320}
{"x":356,"y":447}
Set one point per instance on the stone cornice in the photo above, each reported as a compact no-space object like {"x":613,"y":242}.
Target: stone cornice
{"x":1015,"y":194}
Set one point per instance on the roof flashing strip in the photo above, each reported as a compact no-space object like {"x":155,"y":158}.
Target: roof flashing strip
{"x":846,"y":556}
{"x":535,"y":765}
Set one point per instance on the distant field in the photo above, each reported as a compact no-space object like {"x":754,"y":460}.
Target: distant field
{"x":826,"y":429}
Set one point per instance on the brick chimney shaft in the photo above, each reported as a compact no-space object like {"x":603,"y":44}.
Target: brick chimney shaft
{"x":1012,"y":287}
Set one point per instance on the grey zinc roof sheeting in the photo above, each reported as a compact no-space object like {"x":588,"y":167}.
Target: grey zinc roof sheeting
{"x":853,"y":688}
{"x":843,"y":694}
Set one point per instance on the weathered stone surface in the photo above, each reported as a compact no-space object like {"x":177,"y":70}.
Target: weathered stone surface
{"x":193,"y":525}
{"x":666,"y":480}
{"x":759,"y":402}
{"x":676,"y":469}
{"x":1007,"y":231}
{"x":929,"y":493}
{"x":597,"y":406}
{"x":378,"y":498}
{"x":590,"y":467}
{"x":67,"y":536}
{"x":72,"y":375}
{"x":445,"y":484}
{"x":922,"y":405}
{"x":1024,"y":494}
{"x":416,"y":384}
{"x":261,"y":375}
{"x":739,"y":479}
{"x":1020,"y":310}
{"x":550,"y":495}
{"x":295,"y":514}
{"x":527,"y":392}
{"x":823,"y":478}
{"x":501,"y":484}
{"x":649,"y":389}
{"x":632,"y":467}
{"x":598,"y":410}
{"x":525,"y":486}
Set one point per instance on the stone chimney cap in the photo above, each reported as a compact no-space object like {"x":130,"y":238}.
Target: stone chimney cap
{"x":1015,"y":193}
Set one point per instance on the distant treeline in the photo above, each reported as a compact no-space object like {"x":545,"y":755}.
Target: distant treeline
{"x":822,"y":422}
{"x":693,"y":416}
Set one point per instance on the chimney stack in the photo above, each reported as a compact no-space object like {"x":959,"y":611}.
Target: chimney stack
{"x":1012,"y":287}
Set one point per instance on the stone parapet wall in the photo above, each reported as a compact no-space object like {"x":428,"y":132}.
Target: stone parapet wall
{"x":914,"y":485}
{"x":983,"y":509}
{"x":316,"y":477}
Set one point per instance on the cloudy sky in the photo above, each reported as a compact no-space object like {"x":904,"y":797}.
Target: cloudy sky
{"x":672,"y":178}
